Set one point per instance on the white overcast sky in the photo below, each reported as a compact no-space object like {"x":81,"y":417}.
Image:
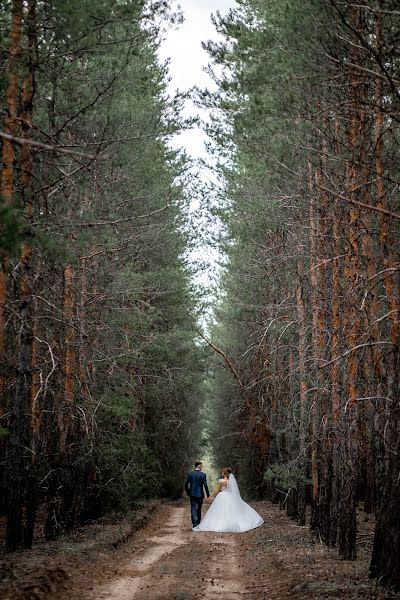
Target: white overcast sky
{"x":187,"y":59}
{"x":182,"y":47}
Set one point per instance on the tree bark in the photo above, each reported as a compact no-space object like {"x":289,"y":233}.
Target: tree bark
{"x":351,"y":442}
{"x":315,"y":342}
{"x":21,"y":479}
{"x":8,"y":158}
{"x":336,"y":416}
{"x":303,"y":427}
{"x":385,"y":561}
{"x":69,"y":366}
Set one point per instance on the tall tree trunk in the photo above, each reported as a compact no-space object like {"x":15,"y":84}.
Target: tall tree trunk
{"x":62,"y":484}
{"x":336,"y":417}
{"x":69,"y":366}
{"x":8,"y":158}
{"x":385,"y":561}
{"x":351,"y":442}
{"x":374,"y":371}
{"x":83,"y":374}
{"x":36,"y":376}
{"x":321,"y":510}
{"x":303,"y":437}
{"x":21,"y":479}
{"x":315,"y":342}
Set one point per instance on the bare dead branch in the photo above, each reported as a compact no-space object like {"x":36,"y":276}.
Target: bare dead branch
{"x":356,"y":202}
{"x":60,"y":149}
{"x":225,"y":357}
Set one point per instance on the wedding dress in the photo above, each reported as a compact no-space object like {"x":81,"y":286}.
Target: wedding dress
{"x":228,"y":512}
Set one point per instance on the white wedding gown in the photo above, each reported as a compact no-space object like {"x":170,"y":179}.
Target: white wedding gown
{"x":228,"y":513}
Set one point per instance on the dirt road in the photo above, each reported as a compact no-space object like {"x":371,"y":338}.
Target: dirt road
{"x":165,"y":559}
{"x":278,"y":561}
{"x":178,"y":563}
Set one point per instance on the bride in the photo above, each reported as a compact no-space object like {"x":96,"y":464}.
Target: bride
{"x":228,"y":512}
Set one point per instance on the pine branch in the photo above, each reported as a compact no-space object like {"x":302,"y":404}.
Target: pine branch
{"x":60,"y":149}
{"x":362,"y":204}
{"x":115,"y":222}
{"x":225,"y":357}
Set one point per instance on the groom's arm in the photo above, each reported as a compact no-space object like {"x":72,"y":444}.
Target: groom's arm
{"x":206,"y":486}
{"x":187,"y":484}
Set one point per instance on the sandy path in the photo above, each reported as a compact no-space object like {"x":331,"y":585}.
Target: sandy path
{"x":175,"y":563}
{"x":165,"y":559}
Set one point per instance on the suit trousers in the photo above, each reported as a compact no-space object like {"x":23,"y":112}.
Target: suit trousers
{"x":195,"y":504}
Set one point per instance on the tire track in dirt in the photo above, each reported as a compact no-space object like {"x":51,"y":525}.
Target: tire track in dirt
{"x":139,"y":570}
{"x":224,"y":578}
{"x":176,"y":563}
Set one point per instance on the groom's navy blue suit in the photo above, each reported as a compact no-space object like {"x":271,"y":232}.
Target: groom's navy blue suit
{"x":195,"y":482}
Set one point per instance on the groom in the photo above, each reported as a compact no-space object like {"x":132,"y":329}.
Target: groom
{"x":195,"y":481}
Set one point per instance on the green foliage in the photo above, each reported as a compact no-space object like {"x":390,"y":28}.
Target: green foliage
{"x":149,"y":395}
{"x":4,"y":433}
{"x":108,"y":212}
{"x":257,"y":129}
{"x":11,"y":228}
{"x":286,"y":477}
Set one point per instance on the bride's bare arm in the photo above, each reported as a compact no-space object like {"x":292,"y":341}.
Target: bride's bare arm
{"x":216,"y":490}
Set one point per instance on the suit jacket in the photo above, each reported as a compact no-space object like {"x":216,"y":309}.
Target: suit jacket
{"x":195,"y":482}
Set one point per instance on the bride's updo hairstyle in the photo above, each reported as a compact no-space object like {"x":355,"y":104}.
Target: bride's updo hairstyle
{"x":226,"y":471}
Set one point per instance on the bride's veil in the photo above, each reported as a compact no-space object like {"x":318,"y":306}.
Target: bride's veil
{"x":233,"y":486}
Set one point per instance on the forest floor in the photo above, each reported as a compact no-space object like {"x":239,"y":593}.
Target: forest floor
{"x":165,"y":559}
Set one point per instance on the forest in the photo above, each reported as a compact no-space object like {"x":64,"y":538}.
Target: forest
{"x":305,"y":130}
{"x":97,"y":313}
{"x":112,"y":380}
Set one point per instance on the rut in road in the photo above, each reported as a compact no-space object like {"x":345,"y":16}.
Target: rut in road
{"x":177,"y":563}
{"x":166,"y":560}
